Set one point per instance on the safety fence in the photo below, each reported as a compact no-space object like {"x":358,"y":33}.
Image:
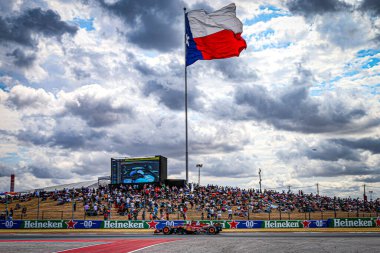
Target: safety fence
{"x":34,"y":214}
{"x":158,"y":224}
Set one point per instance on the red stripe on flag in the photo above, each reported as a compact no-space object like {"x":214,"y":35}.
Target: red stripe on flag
{"x":223,"y":44}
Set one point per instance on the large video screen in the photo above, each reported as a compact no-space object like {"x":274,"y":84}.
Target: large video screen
{"x":135,"y":170}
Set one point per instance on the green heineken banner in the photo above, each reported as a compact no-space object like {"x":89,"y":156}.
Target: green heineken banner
{"x":354,"y":223}
{"x":44,"y":224}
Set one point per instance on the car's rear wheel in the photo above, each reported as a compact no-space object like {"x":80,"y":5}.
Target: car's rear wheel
{"x":166,"y":230}
{"x":211,"y":230}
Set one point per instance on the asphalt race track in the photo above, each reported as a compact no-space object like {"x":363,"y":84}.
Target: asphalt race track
{"x":224,"y":242}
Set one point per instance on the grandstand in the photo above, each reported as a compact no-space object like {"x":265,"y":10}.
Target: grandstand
{"x":87,"y":184}
{"x":190,"y":202}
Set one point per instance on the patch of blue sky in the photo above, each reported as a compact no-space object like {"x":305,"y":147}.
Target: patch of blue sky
{"x":151,"y":53}
{"x":373,"y":89}
{"x":367,"y":52}
{"x":269,"y":12}
{"x":345,"y":74}
{"x":264,"y":34}
{"x":371,"y":63}
{"x":11,"y":158}
{"x":351,"y":73}
{"x":16,"y":76}
{"x":316,"y":92}
{"x":319,"y":88}
{"x":270,"y":7}
{"x":335,"y":79}
{"x":276,"y":45}
{"x":87,"y":24}
{"x":3,"y":87}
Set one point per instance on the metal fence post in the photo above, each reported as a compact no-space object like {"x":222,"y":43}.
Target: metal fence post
{"x":72,"y":207}
{"x":357,"y":207}
{"x":38,"y":206}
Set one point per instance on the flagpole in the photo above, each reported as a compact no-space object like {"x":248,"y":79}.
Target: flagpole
{"x":186,"y":134}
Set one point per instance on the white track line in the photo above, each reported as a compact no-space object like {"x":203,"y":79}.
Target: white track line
{"x":148,"y":247}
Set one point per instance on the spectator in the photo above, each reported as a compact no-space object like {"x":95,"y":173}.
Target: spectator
{"x":229,"y":211}
{"x":23,"y":211}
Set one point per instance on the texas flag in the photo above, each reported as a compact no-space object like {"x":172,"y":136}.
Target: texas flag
{"x":213,"y":35}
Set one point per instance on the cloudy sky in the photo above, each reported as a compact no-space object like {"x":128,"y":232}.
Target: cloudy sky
{"x":84,"y":81}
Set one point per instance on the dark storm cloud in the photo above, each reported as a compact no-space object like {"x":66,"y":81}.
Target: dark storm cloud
{"x":144,"y":146}
{"x":5,"y":171}
{"x":330,"y":151}
{"x":80,"y":74}
{"x":25,"y":29}
{"x":93,"y":165}
{"x":202,"y":6}
{"x":370,"y":6}
{"x":240,"y":167}
{"x":347,"y":149}
{"x":21,"y":59}
{"x":338,"y":25}
{"x":21,"y":97}
{"x":315,"y":7}
{"x":73,"y":139}
{"x":40,"y":171}
{"x":145,"y":70}
{"x":335,"y":169}
{"x":369,"y":144}
{"x":293,"y":109}
{"x":69,"y":139}
{"x":98,"y":112}
{"x":235,"y":70}
{"x":32,"y":137}
{"x":22,"y":29}
{"x":172,"y":69}
{"x":6,"y":6}
{"x":153,"y":24}
{"x":170,"y":97}
{"x":369,"y":179}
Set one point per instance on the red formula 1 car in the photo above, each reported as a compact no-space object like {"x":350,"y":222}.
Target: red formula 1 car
{"x":193,"y":228}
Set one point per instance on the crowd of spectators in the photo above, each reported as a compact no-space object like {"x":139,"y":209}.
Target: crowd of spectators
{"x":208,"y":202}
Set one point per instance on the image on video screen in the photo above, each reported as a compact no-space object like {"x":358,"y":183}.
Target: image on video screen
{"x":140,"y":172}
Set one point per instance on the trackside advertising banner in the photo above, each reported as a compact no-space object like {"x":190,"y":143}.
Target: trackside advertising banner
{"x":159,"y":224}
{"x":354,"y":223}
{"x":10,"y":224}
{"x":295,"y":224}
